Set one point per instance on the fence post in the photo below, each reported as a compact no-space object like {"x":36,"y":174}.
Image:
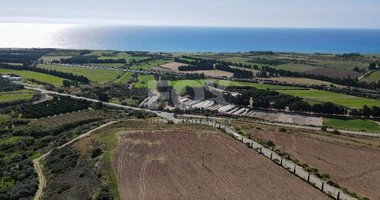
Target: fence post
{"x":323,"y":185}
{"x":338,"y":196}
{"x":308,"y":178}
{"x":294,"y":170}
{"x":271,"y":155}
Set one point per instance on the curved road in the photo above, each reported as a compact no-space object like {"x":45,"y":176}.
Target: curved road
{"x":38,"y":167}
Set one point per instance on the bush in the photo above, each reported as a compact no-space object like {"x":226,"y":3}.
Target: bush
{"x":282,"y":129}
{"x":325,"y":176}
{"x":336,"y":132}
{"x":324,"y":128}
{"x":96,"y":152}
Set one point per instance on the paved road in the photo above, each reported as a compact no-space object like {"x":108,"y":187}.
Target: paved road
{"x":38,"y":167}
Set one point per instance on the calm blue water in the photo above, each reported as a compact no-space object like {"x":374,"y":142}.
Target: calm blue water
{"x":199,"y":39}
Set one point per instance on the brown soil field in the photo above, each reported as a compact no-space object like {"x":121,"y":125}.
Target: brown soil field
{"x":301,"y":81}
{"x":353,"y":167}
{"x":210,"y":73}
{"x":334,"y":73}
{"x":173,"y":65}
{"x":168,"y":165}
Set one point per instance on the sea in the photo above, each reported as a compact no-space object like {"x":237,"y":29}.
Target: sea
{"x":189,"y":39}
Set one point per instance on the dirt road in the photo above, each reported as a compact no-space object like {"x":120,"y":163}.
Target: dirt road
{"x":38,"y":166}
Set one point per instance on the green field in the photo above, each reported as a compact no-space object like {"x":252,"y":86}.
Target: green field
{"x":98,"y":75}
{"x":180,"y":85}
{"x":340,"y":99}
{"x":146,"y":81}
{"x":17,"y":95}
{"x":46,"y":78}
{"x":373,"y":77}
{"x":295,"y":67}
{"x":147,"y":65}
{"x":352,"y":124}
{"x":124,"y":78}
{"x":256,"y":85}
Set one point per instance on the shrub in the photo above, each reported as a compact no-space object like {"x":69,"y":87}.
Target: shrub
{"x":336,"y":132}
{"x":282,"y":129}
{"x":324,"y":128}
{"x":96,"y":152}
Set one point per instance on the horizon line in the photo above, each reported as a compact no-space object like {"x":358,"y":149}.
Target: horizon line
{"x":191,"y":26}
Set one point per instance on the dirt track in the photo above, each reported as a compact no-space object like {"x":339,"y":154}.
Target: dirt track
{"x":38,"y":167}
{"x":356,"y":168}
{"x":168,"y":165}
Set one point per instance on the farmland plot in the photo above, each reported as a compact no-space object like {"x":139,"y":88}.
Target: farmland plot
{"x":168,"y":165}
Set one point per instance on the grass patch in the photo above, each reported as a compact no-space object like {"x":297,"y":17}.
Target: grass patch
{"x":373,"y":77}
{"x":15,"y":97}
{"x":108,"y":143}
{"x":98,"y":75}
{"x":352,"y":124}
{"x":46,"y":78}
{"x":148,"y":65}
{"x":340,"y":99}
{"x":180,"y":85}
{"x":256,"y":85}
{"x":124,"y":78}
{"x":146,"y":81}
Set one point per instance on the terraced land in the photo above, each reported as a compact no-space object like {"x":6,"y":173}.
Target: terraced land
{"x":340,"y":99}
{"x":46,"y":78}
{"x":98,"y":75}
{"x":185,"y":164}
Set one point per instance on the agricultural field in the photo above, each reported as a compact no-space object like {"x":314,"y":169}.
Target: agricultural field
{"x":335,"y":155}
{"x":295,"y":67}
{"x":53,"y":58}
{"x":17,"y":95}
{"x":180,"y":85}
{"x":334,"y":73}
{"x":256,"y":85}
{"x":373,"y":77}
{"x":172,"y":65}
{"x":340,"y":99}
{"x":97,"y":75}
{"x":146,"y":81}
{"x":168,"y":164}
{"x":147,"y":65}
{"x":46,"y":78}
{"x":352,"y":124}
{"x":70,"y":117}
{"x":306,"y":81}
{"x":123,"y":79}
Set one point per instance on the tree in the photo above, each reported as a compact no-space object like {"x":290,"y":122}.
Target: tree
{"x":372,"y":66}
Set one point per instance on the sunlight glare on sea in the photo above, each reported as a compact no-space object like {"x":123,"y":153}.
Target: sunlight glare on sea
{"x":23,"y":35}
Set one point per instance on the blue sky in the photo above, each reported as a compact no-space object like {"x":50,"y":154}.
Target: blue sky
{"x":240,"y":13}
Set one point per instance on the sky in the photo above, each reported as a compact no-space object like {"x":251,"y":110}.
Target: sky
{"x":223,"y":13}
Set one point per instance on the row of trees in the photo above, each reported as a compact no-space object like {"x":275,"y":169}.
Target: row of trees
{"x":237,"y":73}
{"x":272,"y":99}
{"x":195,"y":67}
{"x":65,"y":75}
{"x":366,"y":111}
{"x":5,"y":85}
{"x":90,"y":59}
{"x":25,"y":56}
{"x":56,"y":106}
{"x":273,"y":72}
